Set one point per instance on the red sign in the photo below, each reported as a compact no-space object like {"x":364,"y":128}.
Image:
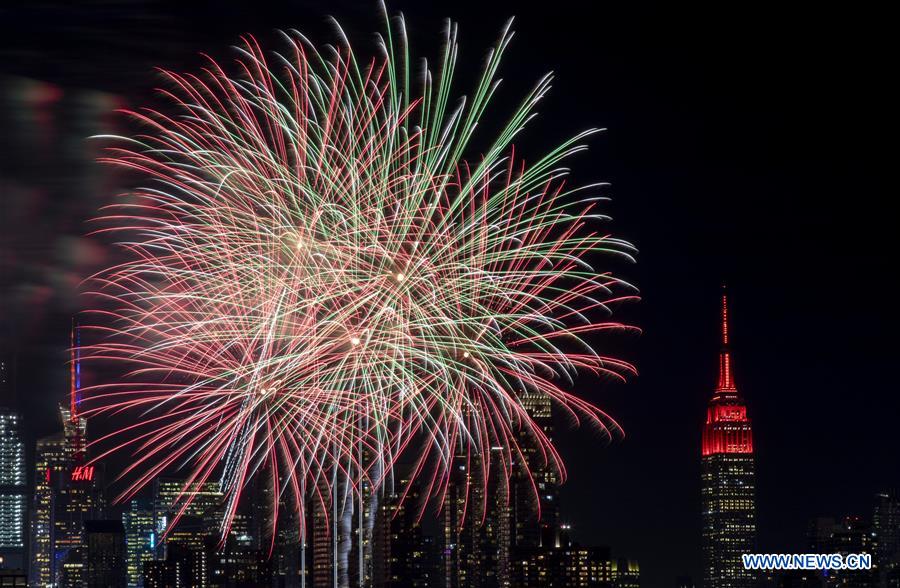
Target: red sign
{"x":83,"y":474}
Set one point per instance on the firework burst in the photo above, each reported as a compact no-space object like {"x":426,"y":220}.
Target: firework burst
{"x":319,"y":278}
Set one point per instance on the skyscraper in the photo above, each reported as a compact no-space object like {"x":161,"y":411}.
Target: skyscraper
{"x":488,"y":530}
{"x":535,"y":517}
{"x":476,"y":529}
{"x":50,"y":461}
{"x":401,"y":555}
{"x":13,"y":489}
{"x":626,"y":573}
{"x":140,"y":537}
{"x":728,"y":479}
{"x":564,"y":564}
{"x":886,"y":524}
{"x":104,"y":554}
{"x":185,"y":513}
{"x":853,"y":534}
{"x":341,"y":534}
{"x":66,"y":491}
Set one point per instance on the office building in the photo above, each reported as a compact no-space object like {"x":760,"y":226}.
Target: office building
{"x":728,"y":479}
{"x":13,"y":489}
{"x":104,"y":554}
{"x":140,"y":540}
{"x":886,"y":526}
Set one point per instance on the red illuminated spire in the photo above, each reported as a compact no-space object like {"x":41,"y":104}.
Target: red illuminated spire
{"x":726,"y":381}
{"x":727,"y":428}
{"x":73,"y":387}
{"x":75,"y":428}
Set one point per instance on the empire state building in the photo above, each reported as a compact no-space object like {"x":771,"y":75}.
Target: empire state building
{"x":728,"y":479}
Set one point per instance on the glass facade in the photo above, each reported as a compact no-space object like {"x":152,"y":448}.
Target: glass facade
{"x":13,"y":489}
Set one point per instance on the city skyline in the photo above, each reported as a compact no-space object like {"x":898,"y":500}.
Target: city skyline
{"x":78,"y":499}
{"x":711,"y":131}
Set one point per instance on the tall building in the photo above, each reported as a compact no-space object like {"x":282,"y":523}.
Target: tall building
{"x":886,"y":525}
{"x":321,"y":543}
{"x":140,"y":539}
{"x":488,"y":531}
{"x":74,"y":425}
{"x":104,"y":554}
{"x":728,"y":479}
{"x":568,"y":565}
{"x":475,"y":548}
{"x":67,"y":492}
{"x":13,"y":484}
{"x":185,"y":513}
{"x":626,"y":573}
{"x":820,"y":535}
{"x":234,"y":566}
{"x":51,"y":463}
{"x":13,"y":490}
{"x":341,"y":532}
{"x":161,"y":574}
{"x":403,"y":556}
{"x":852,"y":534}
{"x":535,"y":517}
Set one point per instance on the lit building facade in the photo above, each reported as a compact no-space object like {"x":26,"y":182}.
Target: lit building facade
{"x":854,"y":534}
{"x":403,"y":555}
{"x":569,"y":565}
{"x":536,"y":517}
{"x":490,"y":539}
{"x":185,"y":513}
{"x":477,"y":529}
{"x":67,"y":492}
{"x":728,"y":480}
{"x":161,"y":574}
{"x":886,"y":526}
{"x":51,"y":461}
{"x":234,"y":566}
{"x":140,"y":539}
{"x":626,"y":573}
{"x":340,"y":545}
{"x":13,"y":490}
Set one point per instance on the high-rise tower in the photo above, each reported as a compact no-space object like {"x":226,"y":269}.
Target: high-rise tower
{"x":13,"y":487}
{"x":67,"y":489}
{"x":728,"y":479}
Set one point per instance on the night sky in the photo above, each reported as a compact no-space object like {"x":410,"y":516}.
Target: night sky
{"x":749,"y":143}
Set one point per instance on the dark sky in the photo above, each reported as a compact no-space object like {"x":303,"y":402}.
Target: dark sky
{"x":748,"y":142}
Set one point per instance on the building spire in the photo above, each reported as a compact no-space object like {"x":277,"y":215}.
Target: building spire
{"x":74,"y":370}
{"x":76,"y":427}
{"x":726,"y":381}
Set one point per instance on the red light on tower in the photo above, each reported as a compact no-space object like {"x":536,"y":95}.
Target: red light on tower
{"x":73,"y":405}
{"x":728,"y":479}
{"x":75,"y":424}
{"x":727,"y":428}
